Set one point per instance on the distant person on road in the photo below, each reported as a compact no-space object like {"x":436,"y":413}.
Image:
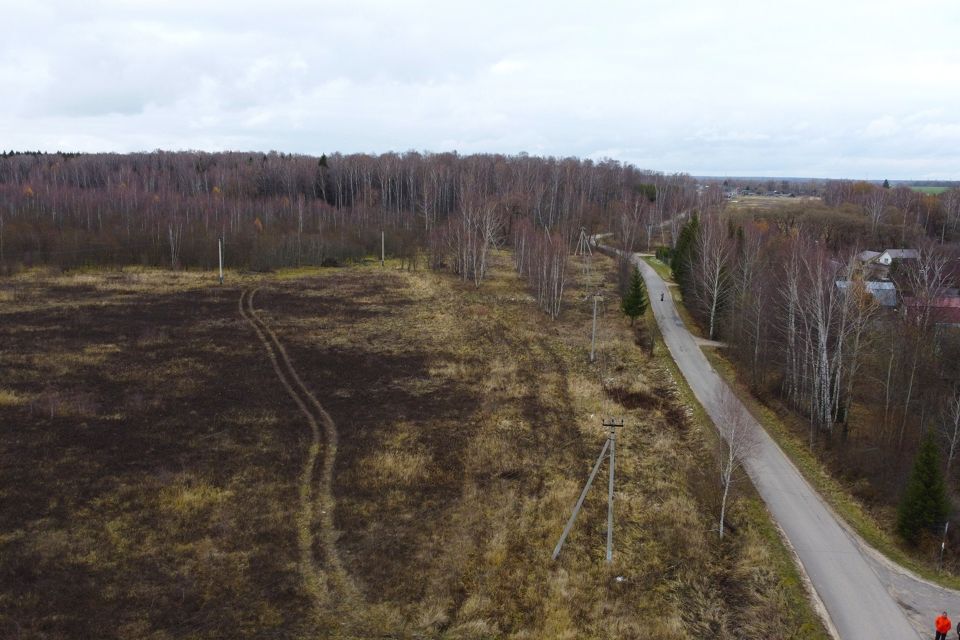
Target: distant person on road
{"x":661,"y":296}
{"x":942,"y":625}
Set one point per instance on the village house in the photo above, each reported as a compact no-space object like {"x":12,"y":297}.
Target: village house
{"x":885,"y":293}
{"x":890,"y":256}
{"x":876,"y":264}
{"x":943,"y":310}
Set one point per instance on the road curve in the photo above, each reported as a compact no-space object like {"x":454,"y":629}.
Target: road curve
{"x":865,"y":596}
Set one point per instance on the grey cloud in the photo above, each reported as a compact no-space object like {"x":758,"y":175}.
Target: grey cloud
{"x":831,"y":90}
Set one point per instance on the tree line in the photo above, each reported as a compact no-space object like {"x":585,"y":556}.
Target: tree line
{"x":872,"y":365}
{"x":275,"y":209}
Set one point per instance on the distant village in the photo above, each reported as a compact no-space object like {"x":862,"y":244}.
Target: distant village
{"x":882,"y":276}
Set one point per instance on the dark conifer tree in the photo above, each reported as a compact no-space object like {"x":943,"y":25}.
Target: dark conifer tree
{"x":924,"y":503}
{"x":634,"y":303}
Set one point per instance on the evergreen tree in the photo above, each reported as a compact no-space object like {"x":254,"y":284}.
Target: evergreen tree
{"x":886,"y":184}
{"x":634,"y":304}
{"x":924,"y":504}
{"x":683,"y":253}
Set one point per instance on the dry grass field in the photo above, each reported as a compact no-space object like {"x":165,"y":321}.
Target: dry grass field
{"x":755,"y":204}
{"x":153,"y":465}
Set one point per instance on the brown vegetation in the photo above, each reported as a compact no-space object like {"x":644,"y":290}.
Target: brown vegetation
{"x":153,"y":462}
{"x":861,"y":359}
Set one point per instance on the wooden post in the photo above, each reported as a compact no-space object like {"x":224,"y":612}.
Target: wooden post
{"x":383,"y":256}
{"x":220,"y":251}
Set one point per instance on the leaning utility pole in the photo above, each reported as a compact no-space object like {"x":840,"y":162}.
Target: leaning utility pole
{"x":613,"y":424}
{"x":583,"y":495}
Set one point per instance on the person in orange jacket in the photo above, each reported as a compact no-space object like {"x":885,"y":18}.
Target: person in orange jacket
{"x":942,"y":624}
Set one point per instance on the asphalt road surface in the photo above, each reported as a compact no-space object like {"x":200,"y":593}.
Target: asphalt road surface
{"x":865,"y":596}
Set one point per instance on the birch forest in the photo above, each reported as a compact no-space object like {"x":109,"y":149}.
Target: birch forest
{"x":867,"y":379}
{"x":866,"y":355}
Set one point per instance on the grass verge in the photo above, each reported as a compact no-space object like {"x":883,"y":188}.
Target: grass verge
{"x":753,"y":512}
{"x":837,"y":496}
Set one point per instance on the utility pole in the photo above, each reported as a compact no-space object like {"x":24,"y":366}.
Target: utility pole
{"x":943,"y":545}
{"x":613,"y":424}
{"x":220,"y":252}
{"x":383,"y":254}
{"x":583,"y":250}
{"x":583,"y":495}
{"x":593,"y":336}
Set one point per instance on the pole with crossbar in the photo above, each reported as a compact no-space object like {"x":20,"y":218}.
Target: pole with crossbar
{"x":613,"y":424}
{"x":583,"y":495}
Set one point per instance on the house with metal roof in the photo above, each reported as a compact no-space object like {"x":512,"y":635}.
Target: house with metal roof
{"x":885,"y":293}
{"x":890,"y":255}
{"x":944,"y":310}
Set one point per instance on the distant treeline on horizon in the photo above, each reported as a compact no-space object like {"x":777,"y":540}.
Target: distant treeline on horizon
{"x":275,"y":209}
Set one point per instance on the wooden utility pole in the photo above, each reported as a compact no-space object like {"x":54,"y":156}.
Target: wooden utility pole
{"x":220,"y":252}
{"x":608,"y":445}
{"x":613,"y":424}
{"x":383,"y":255}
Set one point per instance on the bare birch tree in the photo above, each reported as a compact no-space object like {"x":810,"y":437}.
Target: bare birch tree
{"x":926,"y":278}
{"x":950,"y":425}
{"x":738,"y":442}
{"x":175,"y":234}
{"x":859,"y":308}
{"x":541,"y":258}
{"x":712,"y":258}
{"x":749,"y":295}
{"x":950,"y":201}
{"x":876,"y":205}
{"x":819,"y":305}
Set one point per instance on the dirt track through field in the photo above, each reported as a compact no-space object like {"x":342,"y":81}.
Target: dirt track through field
{"x":331,"y":579}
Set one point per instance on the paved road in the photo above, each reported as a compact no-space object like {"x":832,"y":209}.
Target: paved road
{"x":865,"y":596}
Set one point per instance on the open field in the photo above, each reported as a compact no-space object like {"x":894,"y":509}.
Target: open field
{"x":155,"y":469}
{"x":930,"y":191}
{"x":741,"y":204}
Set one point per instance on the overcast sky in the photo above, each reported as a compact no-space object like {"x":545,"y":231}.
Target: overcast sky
{"x":814,"y":88}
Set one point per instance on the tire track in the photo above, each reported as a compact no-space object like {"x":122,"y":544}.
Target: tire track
{"x":320,"y":583}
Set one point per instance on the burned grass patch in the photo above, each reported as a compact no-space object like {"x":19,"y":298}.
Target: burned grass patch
{"x":137,"y":496}
{"x":159,"y":496}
